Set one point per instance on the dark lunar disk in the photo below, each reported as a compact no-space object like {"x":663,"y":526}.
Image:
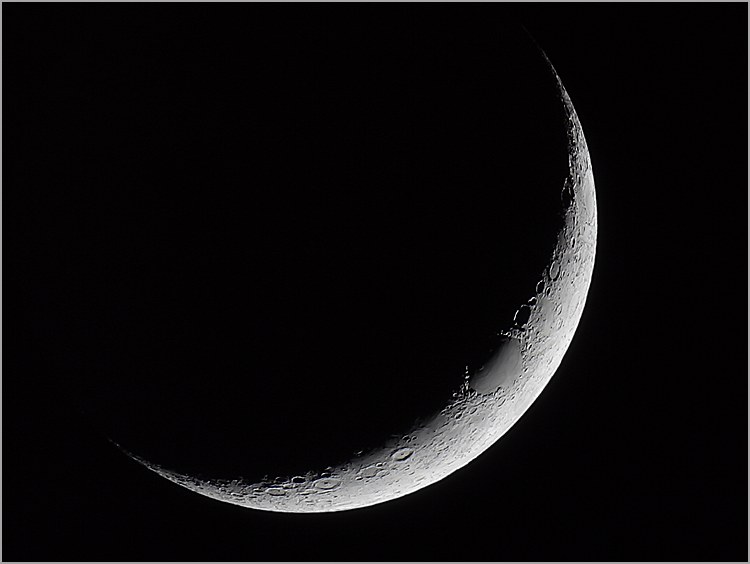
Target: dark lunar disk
{"x":273,"y":262}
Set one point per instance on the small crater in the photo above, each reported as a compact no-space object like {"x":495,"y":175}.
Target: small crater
{"x":368,"y":472}
{"x":327,"y":484}
{"x":402,"y":454}
{"x":554,"y":270}
{"x":275,"y":491}
{"x":298,"y":480}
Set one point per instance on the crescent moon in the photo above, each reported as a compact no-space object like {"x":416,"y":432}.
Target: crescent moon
{"x":488,"y":403}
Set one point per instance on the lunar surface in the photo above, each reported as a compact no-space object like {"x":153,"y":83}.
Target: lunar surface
{"x":487,"y":404}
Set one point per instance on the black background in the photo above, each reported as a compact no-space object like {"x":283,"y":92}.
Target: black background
{"x":636,"y":450}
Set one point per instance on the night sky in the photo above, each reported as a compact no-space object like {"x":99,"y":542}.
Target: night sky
{"x":275,"y":230}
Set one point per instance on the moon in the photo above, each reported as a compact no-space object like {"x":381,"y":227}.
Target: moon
{"x":488,"y":403}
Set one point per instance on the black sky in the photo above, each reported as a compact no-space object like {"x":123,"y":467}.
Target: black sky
{"x":636,"y":450}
